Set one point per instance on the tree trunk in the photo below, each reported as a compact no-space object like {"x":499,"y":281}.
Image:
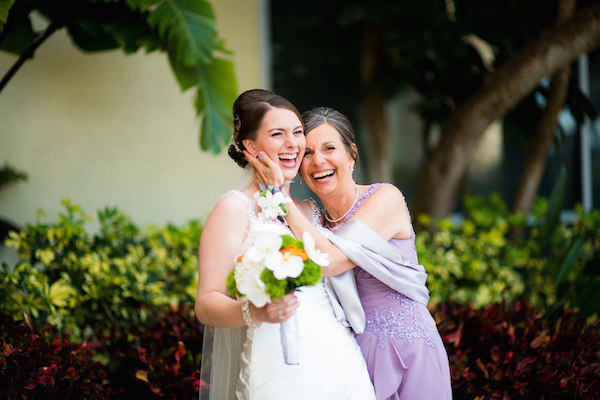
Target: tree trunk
{"x":379,"y":166}
{"x":437,"y":191}
{"x":541,"y":140}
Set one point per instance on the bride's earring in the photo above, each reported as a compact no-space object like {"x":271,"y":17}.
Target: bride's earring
{"x":352,"y":169}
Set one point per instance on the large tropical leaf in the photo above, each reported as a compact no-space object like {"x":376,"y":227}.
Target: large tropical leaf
{"x":125,"y":32}
{"x":141,"y":4}
{"x":5,"y":6}
{"x":187,"y":77}
{"x":96,"y":25}
{"x":184,"y":29}
{"x":188,"y":29}
{"x":216,"y":92}
{"x":16,"y":32}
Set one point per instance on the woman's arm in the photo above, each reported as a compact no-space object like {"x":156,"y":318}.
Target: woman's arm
{"x":269,"y":173}
{"x":299,"y":223}
{"x":385,"y":212}
{"x":220,"y":242}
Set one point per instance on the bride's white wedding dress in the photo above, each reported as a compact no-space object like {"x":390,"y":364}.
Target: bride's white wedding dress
{"x":331,"y":363}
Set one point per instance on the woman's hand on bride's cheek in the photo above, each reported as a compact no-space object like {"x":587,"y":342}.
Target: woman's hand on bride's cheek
{"x":266,"y":169}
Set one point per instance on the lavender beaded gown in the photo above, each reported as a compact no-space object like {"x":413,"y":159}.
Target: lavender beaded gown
{"x":404,"y":352}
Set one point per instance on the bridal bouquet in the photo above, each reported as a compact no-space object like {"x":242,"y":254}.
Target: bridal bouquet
{"x":272,"y":265}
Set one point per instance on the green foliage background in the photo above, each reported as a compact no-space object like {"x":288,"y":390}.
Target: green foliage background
{"x":87,"y":282}
{"x":121,"y":284}
{"x":479,"y":261}
{"x":122,"y":276}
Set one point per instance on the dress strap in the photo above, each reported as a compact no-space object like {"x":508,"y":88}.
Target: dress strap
{"x":252,"y":217}
{"x":370,"y":190}
{"x":363,"y":197}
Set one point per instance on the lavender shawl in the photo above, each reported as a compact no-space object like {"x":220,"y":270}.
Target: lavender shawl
{"x":373,"y":254}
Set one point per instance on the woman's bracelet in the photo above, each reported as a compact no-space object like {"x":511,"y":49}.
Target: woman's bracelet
{"x":246,"y":314}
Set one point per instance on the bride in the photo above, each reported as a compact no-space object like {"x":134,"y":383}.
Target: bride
{"x":242,"y":355}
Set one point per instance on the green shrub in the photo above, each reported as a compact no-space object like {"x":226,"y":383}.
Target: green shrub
{"x":83,"y":282}
{"x":468,"y":261}
{"x":130,"y":293}
{"x":481,"y":260}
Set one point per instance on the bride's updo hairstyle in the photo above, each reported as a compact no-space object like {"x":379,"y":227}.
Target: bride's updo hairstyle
{"x":249,"y":110}
{"x":325,"y":115}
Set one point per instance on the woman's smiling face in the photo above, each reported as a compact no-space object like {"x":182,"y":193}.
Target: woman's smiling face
{"x":281,"y":137}
{"x":326,"y":163}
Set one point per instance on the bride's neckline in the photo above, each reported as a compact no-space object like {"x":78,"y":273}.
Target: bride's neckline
{"x":252,"y":205}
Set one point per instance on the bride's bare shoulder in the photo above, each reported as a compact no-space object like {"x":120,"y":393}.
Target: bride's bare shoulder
{"x":230,"y":207}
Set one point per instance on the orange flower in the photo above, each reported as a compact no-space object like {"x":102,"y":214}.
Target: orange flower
{"x":291,"y":250}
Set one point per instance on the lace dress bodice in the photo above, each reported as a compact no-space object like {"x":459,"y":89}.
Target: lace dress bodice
{"x":257,"y":224}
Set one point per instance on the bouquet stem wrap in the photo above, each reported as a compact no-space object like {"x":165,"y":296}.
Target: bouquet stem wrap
{"x":288,"y":330}
{"x":271,"y":265}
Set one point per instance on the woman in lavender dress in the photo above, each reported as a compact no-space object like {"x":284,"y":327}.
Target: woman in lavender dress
{"x":370,"y":227}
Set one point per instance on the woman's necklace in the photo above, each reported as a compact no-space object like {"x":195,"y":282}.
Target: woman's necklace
{"x":346,"y":213}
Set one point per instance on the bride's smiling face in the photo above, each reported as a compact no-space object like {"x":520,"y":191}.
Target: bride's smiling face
{"x":281,"y":137}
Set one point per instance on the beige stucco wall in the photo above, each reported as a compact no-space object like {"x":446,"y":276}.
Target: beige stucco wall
{"x":114,"y":129}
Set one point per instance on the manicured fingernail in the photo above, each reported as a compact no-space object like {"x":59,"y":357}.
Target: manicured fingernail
{"x":261,"y":154}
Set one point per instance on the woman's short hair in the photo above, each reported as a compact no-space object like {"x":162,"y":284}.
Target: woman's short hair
{"x":325,"y":115}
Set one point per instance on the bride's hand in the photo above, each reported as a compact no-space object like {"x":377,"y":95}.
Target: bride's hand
{"x":266,"y":169}
{"x":279,"y":310}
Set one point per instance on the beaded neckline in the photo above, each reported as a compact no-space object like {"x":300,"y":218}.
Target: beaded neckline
{"x":357,"y":205}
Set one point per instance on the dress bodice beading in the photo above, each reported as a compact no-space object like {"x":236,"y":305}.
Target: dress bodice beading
{"x":257,"y":225}
{"x":405,"y":354}
{"x":362,"y":198}
{"x":389,"y":314}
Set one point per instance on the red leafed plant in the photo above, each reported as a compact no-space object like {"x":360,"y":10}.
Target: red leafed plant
{"x":512,"y":352}
{"x":162,"y":362}
{"x":38,"y":363}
